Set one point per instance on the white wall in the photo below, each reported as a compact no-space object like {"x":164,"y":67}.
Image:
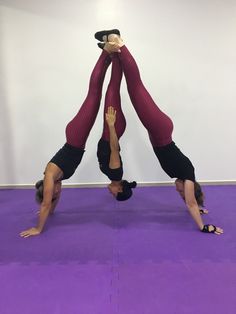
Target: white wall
{"x":186,"y":53}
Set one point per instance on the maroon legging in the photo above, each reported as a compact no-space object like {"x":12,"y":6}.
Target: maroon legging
{"x":78,"y":129}
{"x":157,"y":123}
{"x":112,"y":98}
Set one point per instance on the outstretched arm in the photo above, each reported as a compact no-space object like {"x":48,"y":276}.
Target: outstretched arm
{"x":114,"y":143}
{"x":54,"y":203}
{"x":46,"y":206}
{"x":193,"y":207}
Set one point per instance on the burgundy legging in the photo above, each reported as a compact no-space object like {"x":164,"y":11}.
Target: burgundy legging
{"x":78,"y":129}
{"x":112,"y":98}
{"x":157,"y":123}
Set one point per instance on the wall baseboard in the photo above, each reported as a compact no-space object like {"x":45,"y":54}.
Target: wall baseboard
{"x":102,"y":185}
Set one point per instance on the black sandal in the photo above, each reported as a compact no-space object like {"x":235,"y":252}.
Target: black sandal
{"x":101,"y":45}
{"x":206,"y":229}
{"x":99,"y":35}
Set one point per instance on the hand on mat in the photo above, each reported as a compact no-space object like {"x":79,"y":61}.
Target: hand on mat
{"x":208,"y":228}
{"x":219,"y":231}
{"x":29,"y":232}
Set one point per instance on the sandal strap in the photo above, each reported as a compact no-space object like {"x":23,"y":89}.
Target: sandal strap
{"x":207,"y":227}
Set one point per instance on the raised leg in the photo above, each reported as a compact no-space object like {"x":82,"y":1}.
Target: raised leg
{"x":79,"y":127}
{"x":113,"y":99}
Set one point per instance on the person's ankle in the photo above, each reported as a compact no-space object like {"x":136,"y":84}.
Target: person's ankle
{"x":111,"y":47}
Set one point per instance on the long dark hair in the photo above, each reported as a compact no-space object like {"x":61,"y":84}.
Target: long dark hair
{"x":198,"y":194}
{"x":39,"y":191}
{"x":127,"y":190}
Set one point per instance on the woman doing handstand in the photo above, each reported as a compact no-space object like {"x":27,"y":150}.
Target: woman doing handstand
{"x":64,"y":163}
{"x":160,"y":127}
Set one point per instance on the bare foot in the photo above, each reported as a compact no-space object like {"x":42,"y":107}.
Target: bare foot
{"x":111,"y":47}
{"x":117,"y":39}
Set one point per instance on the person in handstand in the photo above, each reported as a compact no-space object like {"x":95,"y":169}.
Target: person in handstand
{"x":64,"y":163}
{"x":160,"y":127}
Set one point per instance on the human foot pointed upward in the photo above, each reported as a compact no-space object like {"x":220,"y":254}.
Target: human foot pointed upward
{"x":114,"y":38}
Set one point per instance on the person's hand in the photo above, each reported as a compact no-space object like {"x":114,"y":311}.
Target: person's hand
{"x":209,"y":228}
{"x":111,"y":116}
{"x":29,"y":232}
{"x":219,"y":231}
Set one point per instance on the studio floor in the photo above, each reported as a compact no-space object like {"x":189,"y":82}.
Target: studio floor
{"x":100,"y":256}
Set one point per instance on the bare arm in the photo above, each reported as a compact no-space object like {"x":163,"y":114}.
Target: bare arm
{"x":45,"y":208}
{"x":193,"y":206}
{"x":113,"y":140}
{"x":54,"y":204}
{"x":47,"y":202}
{"x":191,"y":203}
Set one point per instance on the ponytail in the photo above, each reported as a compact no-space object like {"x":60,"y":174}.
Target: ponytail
{"x":127,"y":190}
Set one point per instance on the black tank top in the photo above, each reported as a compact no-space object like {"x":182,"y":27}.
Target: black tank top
{"x":67,"y":159}
{"x":103,"y":155}
{"x":174,"y":162}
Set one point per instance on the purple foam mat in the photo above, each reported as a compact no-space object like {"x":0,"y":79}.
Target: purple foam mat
{"x":97,"y":255}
